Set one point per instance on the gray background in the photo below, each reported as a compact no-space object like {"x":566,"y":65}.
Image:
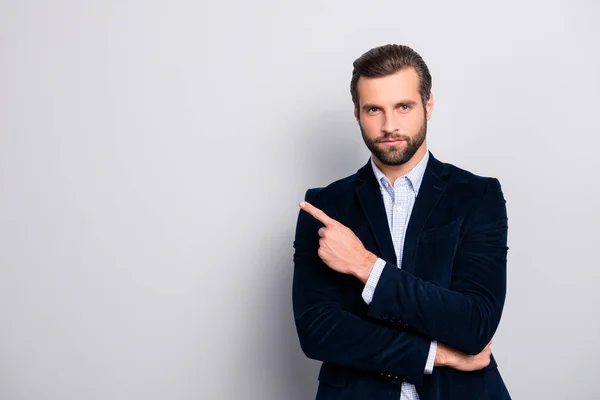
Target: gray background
{"x":152,"y":156}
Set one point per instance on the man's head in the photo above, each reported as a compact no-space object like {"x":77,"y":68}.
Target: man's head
{"x":391,"y":91}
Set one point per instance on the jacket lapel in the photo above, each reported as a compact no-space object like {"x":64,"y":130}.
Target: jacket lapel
{"x":431,"y":190}
{"x":371,"y":201}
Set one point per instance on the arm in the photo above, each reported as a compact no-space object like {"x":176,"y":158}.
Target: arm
{"x":466,"y":315}
{"x":367,"y":295}
{"x":329,"y":333}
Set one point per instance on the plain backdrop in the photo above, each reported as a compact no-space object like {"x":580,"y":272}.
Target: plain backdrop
{"x":152,"y":156}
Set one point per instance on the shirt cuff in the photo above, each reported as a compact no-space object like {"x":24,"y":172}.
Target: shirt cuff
{"x":431,"y":358}
{"x":369,"y":290}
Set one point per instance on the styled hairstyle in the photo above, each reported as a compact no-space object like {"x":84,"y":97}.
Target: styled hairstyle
{"x":387,"y":60}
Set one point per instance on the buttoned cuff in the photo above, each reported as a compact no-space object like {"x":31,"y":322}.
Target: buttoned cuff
{"x":431,"y":358}
{"x":369,"y":290}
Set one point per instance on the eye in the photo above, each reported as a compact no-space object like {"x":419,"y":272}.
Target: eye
{"x":373,"y":110}
{"x":404,"y":107}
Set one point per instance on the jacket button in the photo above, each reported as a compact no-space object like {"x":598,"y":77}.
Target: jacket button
{"x":393,"y":319}
{"x":405,"y":325}
{"x":385,"y":317}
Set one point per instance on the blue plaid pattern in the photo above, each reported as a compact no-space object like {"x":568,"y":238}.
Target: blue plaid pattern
{"x":399,"y":200}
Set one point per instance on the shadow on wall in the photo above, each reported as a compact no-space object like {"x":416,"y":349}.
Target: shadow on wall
{"x":296,"y":374}
{"x":331,"y":150}
{"x":326,"y":152}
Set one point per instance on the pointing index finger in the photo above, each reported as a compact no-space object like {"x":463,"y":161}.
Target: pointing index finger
{"x":317,"y":213}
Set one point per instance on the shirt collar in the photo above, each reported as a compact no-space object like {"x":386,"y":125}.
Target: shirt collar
{"x":414,"y":176}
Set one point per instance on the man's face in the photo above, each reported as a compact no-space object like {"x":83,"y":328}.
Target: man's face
{"x":391,"y":116}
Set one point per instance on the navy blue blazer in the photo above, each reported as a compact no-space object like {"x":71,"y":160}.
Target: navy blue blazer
{"x":451,"y":288}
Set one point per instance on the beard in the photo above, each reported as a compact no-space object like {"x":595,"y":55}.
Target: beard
{"x":395,"y":155}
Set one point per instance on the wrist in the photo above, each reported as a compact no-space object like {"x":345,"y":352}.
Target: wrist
{"x":364,"y":271}
{"x":442,"y":356}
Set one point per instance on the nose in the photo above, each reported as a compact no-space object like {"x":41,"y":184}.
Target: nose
{"x":389,"y":125}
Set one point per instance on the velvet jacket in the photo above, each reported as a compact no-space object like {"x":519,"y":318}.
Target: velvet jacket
{"x":451,"y":288}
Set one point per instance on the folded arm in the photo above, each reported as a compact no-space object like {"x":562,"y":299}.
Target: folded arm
{"x":330,"y":333}
{"x":466,"y":315}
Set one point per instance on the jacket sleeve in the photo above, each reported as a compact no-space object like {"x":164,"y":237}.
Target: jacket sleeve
{"x":330,"y":333}
{"x":466,"y":315}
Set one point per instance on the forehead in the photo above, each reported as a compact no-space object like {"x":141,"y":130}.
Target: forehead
{"x":402,"y":85}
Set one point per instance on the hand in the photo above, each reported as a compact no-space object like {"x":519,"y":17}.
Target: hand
{"x":448,"y":357}
{"x":339,"y":247}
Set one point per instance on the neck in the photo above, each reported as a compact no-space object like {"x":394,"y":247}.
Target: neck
{"x":393,"y":172}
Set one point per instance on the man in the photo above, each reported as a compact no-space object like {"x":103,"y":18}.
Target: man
{"x":400,"y":269}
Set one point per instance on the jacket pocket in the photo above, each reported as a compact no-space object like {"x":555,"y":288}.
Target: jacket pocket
{"x":436,"y":251}
{"x":450,"y":229}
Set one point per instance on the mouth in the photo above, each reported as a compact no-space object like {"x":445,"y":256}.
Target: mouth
{"x":392,"y":142}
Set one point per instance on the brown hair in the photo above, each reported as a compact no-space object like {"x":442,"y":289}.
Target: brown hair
{"x":387,"y":60}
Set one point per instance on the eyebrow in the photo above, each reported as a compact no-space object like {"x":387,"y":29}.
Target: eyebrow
{"x":368,"y":106}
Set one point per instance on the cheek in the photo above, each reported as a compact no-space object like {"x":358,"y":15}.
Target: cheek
{"x":413,"y":123}
{"x":371,"y":126}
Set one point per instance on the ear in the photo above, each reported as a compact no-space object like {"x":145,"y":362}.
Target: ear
{"x":429,"y":105}
{"x":356,"y":114}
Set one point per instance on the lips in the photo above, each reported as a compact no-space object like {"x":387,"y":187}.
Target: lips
{"x":392,"y":142}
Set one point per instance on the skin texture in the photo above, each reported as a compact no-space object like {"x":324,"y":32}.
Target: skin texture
{"x":391,"y":107}
{"x":393,"y":122}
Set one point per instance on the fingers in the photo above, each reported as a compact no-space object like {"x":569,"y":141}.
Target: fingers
{"x":317,"y":213}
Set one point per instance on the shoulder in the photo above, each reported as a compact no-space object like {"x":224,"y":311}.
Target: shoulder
{"x":472,"y":190}
{"x":463,"y":179}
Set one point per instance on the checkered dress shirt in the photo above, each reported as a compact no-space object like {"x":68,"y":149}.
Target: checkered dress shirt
{"x":399,"y":200}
